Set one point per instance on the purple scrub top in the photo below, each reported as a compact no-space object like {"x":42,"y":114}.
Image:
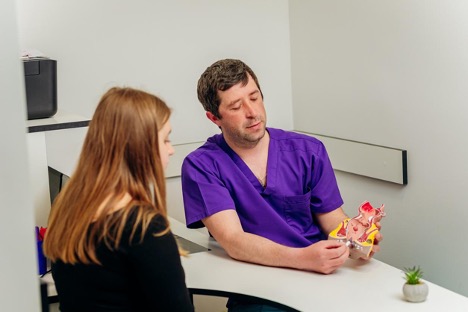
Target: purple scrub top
{"x":300,"y":182}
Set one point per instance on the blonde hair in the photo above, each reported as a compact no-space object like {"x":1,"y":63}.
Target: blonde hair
{"x":120,"y":155}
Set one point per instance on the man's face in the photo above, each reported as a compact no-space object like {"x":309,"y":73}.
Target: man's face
{"x":243,"y":116}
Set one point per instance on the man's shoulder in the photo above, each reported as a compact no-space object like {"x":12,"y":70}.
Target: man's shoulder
{"x":209,"y":149}
{"x":295,"y":140}
{"x":280,"y":134}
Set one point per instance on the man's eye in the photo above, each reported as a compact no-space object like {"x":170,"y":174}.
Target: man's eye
{"x":254,"y":99}
{"x":235,"y":108}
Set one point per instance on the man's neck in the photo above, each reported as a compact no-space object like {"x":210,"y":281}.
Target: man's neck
{"x":251,"y":149}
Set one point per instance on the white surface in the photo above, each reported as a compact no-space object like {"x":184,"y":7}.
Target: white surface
{"x":60,"y":117}
{"x":394,"y":73}
{"x":369,"y":160}
{"x":385,"y":72}
{"x":64,"y":148}
{"x":37,"y":156}
{"x":181,"y":151}
{"x":356,"y":286}
{"x":58,"y":149}
{"x":352,"y":287}
{"x":19,"y":287}
{"x":168,"y":44}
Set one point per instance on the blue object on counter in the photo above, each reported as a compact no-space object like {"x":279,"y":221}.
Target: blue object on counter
{"x":41,"y":259}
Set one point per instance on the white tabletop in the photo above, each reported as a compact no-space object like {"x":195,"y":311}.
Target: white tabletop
{"x":357,"y":286}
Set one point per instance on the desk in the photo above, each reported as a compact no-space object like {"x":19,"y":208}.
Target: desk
{"x":306,"y":291}
{"x":213,"y":272}
{"x":56,"y":132}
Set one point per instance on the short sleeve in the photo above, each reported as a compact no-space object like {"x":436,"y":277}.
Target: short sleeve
{"x":325,"y":193}
{"x":204,"y":193}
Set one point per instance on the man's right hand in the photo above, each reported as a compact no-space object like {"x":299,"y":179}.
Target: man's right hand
{"x":323,"y":257}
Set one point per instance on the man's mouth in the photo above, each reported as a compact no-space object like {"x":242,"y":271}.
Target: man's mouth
{"x":254,"y":125}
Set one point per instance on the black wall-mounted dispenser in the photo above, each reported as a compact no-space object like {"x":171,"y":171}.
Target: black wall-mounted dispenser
{"x":41,"y":87}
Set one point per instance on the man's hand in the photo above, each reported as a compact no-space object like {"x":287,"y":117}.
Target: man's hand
{"x":323,"y":257}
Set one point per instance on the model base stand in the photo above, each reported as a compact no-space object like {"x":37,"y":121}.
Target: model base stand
{"x":359,"y":232}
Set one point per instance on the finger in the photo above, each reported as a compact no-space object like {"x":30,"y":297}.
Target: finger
{"x":375,"y":249}
{"x":342,"y":258}
{"x":338,"y":252}
{"x":378,"y":238}
{"x":330,"y":244}
{"x":372,"y":253}
{"x":333,"y":265}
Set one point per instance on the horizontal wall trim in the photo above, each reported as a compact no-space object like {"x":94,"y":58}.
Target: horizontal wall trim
{"x":180,"y":152}
{"x":370,"y":160}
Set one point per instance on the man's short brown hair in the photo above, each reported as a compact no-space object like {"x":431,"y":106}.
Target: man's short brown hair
{"x":221,"y":76}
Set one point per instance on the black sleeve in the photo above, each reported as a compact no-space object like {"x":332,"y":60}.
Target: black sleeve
{"x":158,"y":269}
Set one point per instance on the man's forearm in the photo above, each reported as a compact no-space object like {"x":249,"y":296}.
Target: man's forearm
{"x":323,"y":256}
{"x":256,"y":249}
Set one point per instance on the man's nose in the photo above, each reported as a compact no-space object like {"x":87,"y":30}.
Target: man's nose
{"x":250,"y":110}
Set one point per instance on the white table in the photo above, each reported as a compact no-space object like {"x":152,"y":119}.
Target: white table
{"x":47,"y":139}
{"x":358,"y":286}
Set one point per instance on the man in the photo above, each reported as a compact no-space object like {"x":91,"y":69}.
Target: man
{"x":266,"y":195}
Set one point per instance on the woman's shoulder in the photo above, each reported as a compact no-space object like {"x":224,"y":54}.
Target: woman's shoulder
{"x":141,"y":223}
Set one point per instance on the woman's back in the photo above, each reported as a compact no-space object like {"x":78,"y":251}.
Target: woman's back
{"x":108,"y":237}
{"x":145,"y":276}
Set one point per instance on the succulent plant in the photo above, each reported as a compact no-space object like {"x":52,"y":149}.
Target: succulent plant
{"x":413,"y":275}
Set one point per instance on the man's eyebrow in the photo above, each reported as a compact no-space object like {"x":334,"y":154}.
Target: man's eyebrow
{"x":234,"y":102}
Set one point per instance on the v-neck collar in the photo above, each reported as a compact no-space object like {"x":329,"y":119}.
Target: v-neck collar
{"x":272,"y":163}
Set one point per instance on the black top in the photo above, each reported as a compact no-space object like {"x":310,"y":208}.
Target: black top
{"x":145,"y":276}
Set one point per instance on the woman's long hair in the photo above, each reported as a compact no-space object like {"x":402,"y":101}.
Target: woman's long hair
{"x":120,"y":155}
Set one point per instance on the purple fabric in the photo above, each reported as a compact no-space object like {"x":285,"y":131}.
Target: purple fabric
{"x":300,"y":182}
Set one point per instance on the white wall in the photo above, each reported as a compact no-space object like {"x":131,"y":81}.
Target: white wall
{"x":160,"y":46}
{"x":394,"y":73}
{"x":388,"y":72}
{"x":19,"y":282}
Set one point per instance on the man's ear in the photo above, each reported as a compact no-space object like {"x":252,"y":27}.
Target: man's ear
{"x":213,"y":118}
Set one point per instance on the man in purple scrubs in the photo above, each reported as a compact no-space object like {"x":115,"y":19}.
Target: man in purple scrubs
{"x":266,"y":195}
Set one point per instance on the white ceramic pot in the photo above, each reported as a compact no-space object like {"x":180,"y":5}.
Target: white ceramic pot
{"x":415,"y":293}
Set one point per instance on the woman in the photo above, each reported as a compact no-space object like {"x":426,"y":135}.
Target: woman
{"x":108,"y":235}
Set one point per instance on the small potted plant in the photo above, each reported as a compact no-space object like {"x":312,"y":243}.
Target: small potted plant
{"x":414,"y":290}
